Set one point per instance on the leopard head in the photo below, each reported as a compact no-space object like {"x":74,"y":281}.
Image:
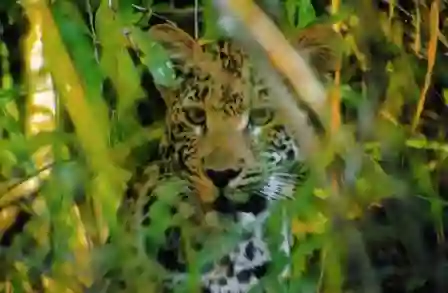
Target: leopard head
{"x":223,"y":133}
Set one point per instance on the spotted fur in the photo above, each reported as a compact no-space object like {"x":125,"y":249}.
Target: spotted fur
{"x":225,"y":139}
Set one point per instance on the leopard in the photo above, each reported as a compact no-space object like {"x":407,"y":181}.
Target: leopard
{"x":225,"y":139}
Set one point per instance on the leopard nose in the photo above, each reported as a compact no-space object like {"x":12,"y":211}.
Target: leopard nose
{"x":222,"y":177}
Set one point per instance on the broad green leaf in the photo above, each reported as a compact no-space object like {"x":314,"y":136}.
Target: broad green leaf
{"x":350,"y":96}
{"x":115,"y":60}
{"x":155,"y":57}
{"x":76,"y":37}
{"x":211,"y":28}
{"x":10,"y":124}
{"x":306,"y":13}
{"x":291,"y":11}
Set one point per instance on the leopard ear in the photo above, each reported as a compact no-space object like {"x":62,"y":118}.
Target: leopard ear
{"x":182,"y":50}
{"x":185,"y":54}
{"x":320,"y":45}
{"x":180,"y":45}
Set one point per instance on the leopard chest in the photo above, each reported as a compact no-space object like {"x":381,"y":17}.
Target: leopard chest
{"x":242,"y":265}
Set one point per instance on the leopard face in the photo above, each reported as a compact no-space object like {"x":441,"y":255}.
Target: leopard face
{"x":223,"y":133}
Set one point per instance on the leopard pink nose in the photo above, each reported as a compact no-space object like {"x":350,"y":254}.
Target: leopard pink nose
{"x":221,"y":178}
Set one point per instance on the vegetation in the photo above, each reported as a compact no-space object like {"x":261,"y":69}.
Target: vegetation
{"x":374,"y":222}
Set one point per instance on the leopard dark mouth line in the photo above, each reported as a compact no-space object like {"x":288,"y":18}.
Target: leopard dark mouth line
{"x":259,"y":195}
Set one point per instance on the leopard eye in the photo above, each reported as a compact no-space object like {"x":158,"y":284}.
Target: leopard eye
{"x":261,"y":116}
{"x":195,"y":115}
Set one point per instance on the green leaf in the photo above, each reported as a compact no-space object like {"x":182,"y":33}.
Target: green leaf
{"x":307,"y":14}
{"x":115,"y":60}
{"x":76,"y":38}
{"x":211,"y":28}
{"x":350,"y":96}
{"x":155,"y":57}
{"x":302,"y":10}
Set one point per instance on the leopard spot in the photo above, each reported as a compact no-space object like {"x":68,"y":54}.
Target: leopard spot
{"x":249,"y":251}
{"x":244,"y":276}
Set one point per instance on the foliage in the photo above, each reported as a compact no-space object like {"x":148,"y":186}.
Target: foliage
{"x":380,"y":228}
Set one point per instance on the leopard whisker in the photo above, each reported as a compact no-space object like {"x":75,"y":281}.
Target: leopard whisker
{"x":278,"y":187}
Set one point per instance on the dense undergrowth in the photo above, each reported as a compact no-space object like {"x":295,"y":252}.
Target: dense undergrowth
{"x":390,"y":93}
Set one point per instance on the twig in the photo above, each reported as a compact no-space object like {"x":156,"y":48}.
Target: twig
{"x":335,"y":94}
{"x":432,"y":50}
{"x":187,"y":10}
{"x":196,"y":19}
{"x":16,"y":191}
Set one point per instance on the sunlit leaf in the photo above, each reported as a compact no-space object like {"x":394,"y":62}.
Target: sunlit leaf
{"x":115,"y":59}
{"x":155,"y":57}
{"x":306,"y":13}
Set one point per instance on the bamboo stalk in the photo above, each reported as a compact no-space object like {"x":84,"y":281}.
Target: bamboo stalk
{"x":90,"y":130}
{"x":282,"y":55}
{"x":42,"y":112}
